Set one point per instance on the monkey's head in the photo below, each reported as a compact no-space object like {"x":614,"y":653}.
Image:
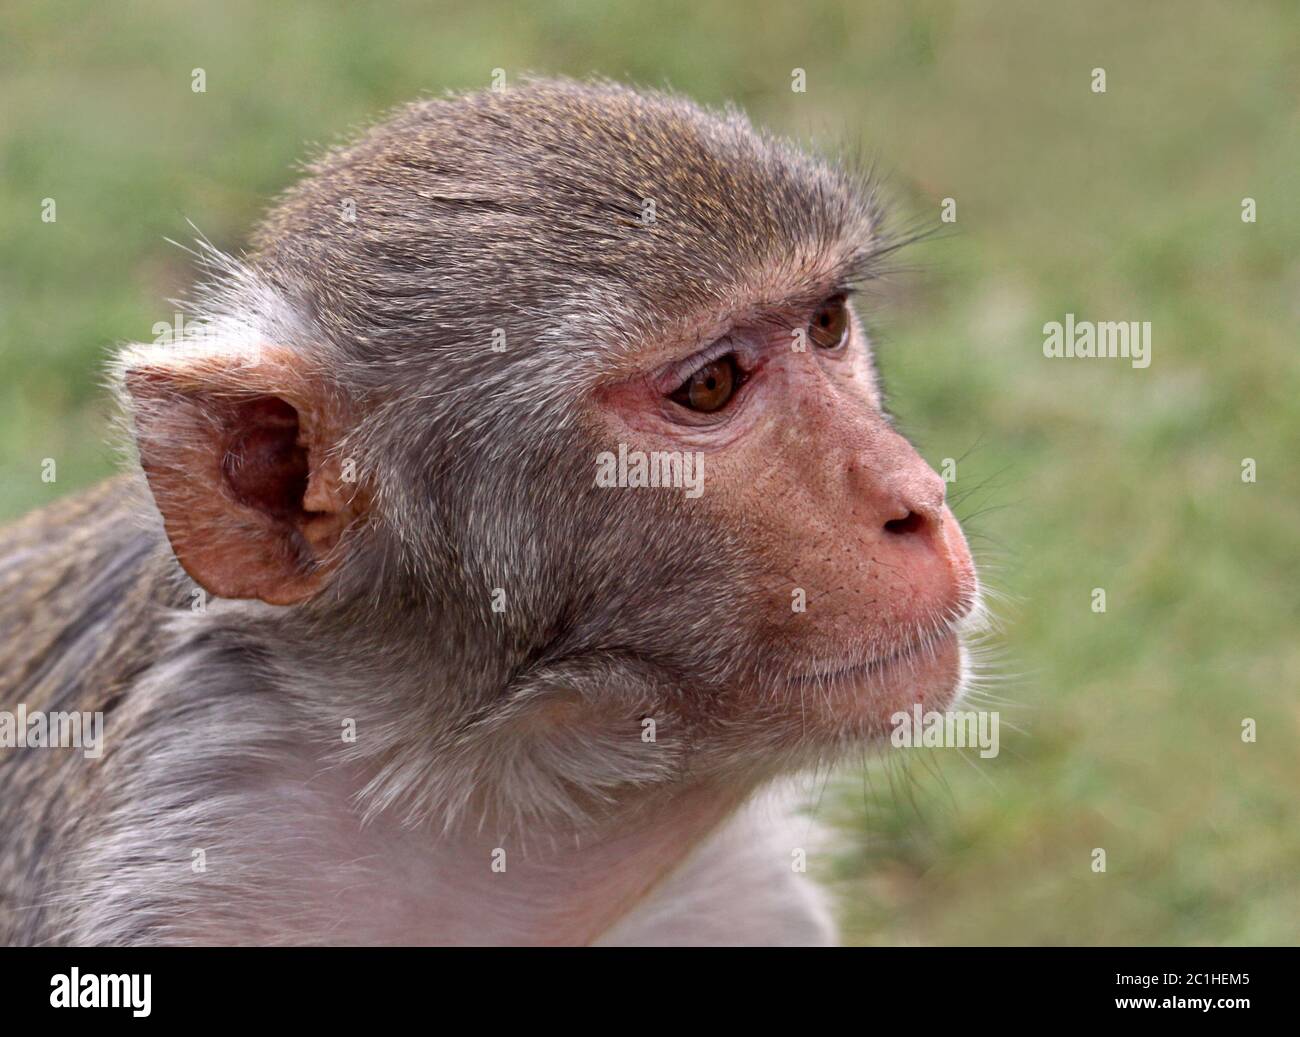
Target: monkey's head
{"x":551,"y":408}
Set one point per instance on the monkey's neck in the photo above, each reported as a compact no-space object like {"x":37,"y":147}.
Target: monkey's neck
{"x":573,"y":894}
{"x":403,"y":883}
{"x":423,"y":886}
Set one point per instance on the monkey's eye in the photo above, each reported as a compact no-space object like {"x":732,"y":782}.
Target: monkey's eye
{"x":830,"y":324}
{"x":712,"y":386}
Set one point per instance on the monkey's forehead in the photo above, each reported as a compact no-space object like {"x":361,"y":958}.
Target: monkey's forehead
{"x":561,"y":190}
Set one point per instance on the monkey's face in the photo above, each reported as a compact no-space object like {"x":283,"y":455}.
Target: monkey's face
{"x":850,"y":573}
{"x":394,"y":430}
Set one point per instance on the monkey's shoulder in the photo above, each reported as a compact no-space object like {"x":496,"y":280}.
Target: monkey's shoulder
{"x":80,"y":584}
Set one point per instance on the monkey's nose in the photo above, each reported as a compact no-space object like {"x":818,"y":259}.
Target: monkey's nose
{"x":929,"y":542}
{"x":916,"y":503}
{"x":912,"y":522}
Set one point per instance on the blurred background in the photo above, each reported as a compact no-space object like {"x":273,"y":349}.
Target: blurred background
{"x":1071,"y":474}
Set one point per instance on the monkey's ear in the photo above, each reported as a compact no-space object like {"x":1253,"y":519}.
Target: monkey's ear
{"x":237,"y":448}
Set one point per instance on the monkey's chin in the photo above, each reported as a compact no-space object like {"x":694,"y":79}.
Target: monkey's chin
{"x":857,"y":703}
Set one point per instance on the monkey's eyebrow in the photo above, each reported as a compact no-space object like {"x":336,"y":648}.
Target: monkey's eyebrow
{"x":857,"y":267}
{"x":791,"y":310}
{"x":732,"y":332}
{"x":784,"y":311}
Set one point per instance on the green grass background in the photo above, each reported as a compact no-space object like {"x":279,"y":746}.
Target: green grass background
{"x":1073,"y":474}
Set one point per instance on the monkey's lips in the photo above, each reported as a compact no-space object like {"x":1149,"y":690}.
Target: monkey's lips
{"x":925,"y":671}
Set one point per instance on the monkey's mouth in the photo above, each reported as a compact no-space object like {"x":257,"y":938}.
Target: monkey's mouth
{"x":908,"y":655}
{"x":859,"y":697}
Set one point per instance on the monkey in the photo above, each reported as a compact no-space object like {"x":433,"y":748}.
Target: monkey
{"x":380,"y":659}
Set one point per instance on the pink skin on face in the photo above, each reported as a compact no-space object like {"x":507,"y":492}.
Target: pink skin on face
{"x":805,"y":467}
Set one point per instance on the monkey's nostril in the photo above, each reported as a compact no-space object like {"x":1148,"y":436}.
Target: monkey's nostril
{"x":912,"y":523}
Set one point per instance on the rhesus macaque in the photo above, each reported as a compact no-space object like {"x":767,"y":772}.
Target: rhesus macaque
{"x":381,"y":660}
